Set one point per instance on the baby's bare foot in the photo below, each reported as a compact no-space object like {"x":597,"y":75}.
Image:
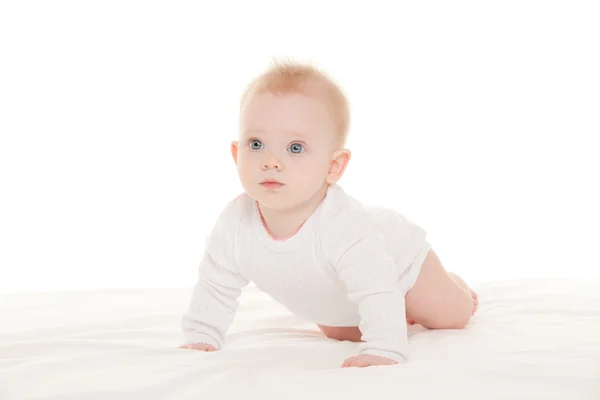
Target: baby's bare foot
{"x":462,"y":283}
{"x":475,"y":301}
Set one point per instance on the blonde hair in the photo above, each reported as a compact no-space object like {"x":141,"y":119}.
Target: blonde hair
{"x":285,"y":77}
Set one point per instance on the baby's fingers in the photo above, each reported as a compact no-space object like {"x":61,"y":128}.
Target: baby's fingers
{"x":348,"y":362}
{"x":198,"y":346}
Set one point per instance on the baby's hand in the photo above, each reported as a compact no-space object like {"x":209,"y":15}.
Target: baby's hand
{"x":367,"y":360}
{"x":198,"y":346}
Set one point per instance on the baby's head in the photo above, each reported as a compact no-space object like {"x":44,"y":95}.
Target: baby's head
{"x":294,"y":121}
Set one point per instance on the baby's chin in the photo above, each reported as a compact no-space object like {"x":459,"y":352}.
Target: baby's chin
{"x":281,"y":199}
{"x":286,"y":199}
{"x":275,"y":201}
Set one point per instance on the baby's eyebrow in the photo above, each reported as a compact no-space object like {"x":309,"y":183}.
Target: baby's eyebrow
{"x":250,"y":132}
{"x":296,"y":134}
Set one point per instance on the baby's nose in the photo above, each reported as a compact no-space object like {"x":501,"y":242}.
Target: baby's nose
{"x":272,"y":162}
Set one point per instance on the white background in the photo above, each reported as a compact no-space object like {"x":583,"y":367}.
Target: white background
{"x":477,"y":120}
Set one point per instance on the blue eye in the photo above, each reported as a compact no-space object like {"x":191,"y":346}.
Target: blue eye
{"x":296,"y":148}
{"x":256,"y":144}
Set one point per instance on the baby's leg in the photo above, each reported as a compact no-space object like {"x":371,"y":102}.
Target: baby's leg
{"x":440,"y":299}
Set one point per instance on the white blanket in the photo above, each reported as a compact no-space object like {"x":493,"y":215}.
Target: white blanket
{"x":530,"y":339}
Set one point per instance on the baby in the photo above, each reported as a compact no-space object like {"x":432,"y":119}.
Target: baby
{"x":360,"y":274}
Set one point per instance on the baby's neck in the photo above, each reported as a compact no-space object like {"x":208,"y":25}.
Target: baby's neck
{"x":283,"y":224}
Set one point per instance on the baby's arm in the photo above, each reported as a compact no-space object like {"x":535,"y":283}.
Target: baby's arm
{"x":215,"y":297}
{"x":360,"y":259}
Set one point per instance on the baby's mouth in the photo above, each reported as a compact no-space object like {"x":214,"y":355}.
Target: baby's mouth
{"x":271,"y":184}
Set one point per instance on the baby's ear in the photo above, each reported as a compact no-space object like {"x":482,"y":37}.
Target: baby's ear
{"x":339,"y":162}
{"x":234,"y":151}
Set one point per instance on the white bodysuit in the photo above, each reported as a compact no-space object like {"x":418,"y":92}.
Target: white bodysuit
{"x":348,"y":265}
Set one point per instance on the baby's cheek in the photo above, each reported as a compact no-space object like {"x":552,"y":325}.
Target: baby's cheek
{"x":311,"y":180}
{"x":245,"y":173}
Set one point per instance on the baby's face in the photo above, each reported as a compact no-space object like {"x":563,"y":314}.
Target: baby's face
{"x":285,"y":148}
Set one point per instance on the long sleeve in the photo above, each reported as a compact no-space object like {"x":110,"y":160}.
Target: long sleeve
{"x":358,"y":254}
{"x":215,"y":297}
